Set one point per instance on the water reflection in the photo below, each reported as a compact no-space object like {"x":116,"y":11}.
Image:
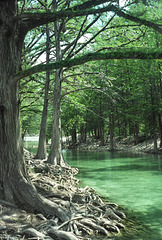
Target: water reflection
{"x":132,"y":180}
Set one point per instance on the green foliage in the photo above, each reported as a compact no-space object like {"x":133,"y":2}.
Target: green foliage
{"x":123,"y":89}
{"x":31,"y":98}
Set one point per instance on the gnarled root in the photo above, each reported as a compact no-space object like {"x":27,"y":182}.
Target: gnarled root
{"x":69,"y":212}
{"x":26,"y":196}
{"x":61,"y":234}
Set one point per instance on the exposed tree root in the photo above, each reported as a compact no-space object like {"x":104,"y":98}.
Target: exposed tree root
{"x":69,"y":212}
{"x":61,"y":234}
{"x":28,"y":198}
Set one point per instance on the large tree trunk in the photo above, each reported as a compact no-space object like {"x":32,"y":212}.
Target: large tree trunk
{"x":15,"y":186}
{"x":11,"y":153}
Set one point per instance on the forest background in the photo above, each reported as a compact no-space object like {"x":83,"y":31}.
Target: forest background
{"x":115,"y":98}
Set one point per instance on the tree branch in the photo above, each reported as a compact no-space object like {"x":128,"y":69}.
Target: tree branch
{"x":156,"y":27}
{"x":32,"y":20}
{"x":93,"y":37}
{"x":112,"y":54}
{"x":82,"y":34}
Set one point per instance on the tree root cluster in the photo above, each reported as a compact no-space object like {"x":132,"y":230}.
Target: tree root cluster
{"x":87,"y":214}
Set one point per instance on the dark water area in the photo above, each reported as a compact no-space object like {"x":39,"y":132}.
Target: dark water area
{"x":131,"y":180}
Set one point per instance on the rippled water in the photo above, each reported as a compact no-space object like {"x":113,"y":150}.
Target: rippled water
{"x":132,"y":180}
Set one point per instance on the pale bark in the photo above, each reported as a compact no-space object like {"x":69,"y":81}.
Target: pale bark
{"x":42,"y":149}
{"x":55,"y":156}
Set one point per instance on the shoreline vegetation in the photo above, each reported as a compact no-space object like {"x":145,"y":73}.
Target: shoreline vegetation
{"x":91,"y":217}
{"x":124,"y":144}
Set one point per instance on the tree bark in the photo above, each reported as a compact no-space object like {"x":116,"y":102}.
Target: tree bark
{"x":160,"y":130}
{"x":136,"y":133}
{"x":111,"y":129}
{"x":55,"y":156}
{"x":74,"y":136}
{"x":15,"y":186}
{"x":10,"y":141}
{"x":154,"y":112}
{"x":42,"y":150}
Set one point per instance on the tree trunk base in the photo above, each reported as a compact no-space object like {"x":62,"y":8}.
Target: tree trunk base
{"x":57,"y":160}
{"x":69,"y":212}
{"x":24,"y":195}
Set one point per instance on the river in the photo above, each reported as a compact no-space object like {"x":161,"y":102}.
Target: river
{"x":131,"y":180}
{"x":128,"y":179}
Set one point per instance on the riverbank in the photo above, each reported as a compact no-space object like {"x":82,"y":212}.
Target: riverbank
{"x":125,"y":144}
{"x":91,"y":216}
{"x":87,"y":208}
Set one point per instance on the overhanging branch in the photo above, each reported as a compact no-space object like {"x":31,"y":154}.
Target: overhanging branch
{"x":32,"y":20}
{"x":112,"y":54}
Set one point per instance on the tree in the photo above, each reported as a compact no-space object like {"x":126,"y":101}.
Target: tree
{"x":15,"y":186}
{"x":55,"y":156}
{"x":42,"y":151}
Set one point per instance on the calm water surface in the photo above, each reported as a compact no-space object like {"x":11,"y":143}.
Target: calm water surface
{"x":132,"y":180}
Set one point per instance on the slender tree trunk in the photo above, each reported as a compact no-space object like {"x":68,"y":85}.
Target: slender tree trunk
{"x":111,"y":128}
{"x":159,"y":86}
{"x":160,"y":129}
{"x":55,"y":156}
{"x":102,"y":132}
{"x":83,"y":132}
{"x":136,"y":133}
{"x":101,"y":124}
{"x":42,"y":150}
{"x":153,"y":93}
{"x":74,"y":136}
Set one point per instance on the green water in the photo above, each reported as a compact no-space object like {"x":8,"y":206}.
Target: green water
{"x":131,"y":180}
{"x":31,"y":146}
